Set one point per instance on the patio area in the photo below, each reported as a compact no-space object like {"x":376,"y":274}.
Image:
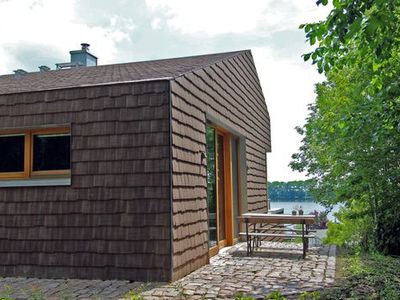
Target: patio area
{"x":276,"y":266}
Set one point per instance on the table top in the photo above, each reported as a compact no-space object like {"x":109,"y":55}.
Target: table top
{"x":276,"y":218}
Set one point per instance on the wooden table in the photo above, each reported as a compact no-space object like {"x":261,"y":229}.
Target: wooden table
{"x":253,"y":219}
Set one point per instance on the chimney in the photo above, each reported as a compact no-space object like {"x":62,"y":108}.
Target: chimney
{"x":44,"y":68}
{"x":85,"y":47}
{"x":83,"y":57}
{"x":20,"y":72}
{"x":79,"y":58}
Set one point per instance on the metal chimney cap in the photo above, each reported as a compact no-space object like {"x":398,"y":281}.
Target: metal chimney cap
{"x":20,"y":72}
{"x":44,"y":68}
{"x":85,"y":46}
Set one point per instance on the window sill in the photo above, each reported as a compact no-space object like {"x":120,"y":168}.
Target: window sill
{"x":36,"y":182}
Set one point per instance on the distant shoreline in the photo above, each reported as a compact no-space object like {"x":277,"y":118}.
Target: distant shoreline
{"x":307,"y":206}
{"x":288,"y":200}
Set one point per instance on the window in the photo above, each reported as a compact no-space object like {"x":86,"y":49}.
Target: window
{"x":35,"y":153}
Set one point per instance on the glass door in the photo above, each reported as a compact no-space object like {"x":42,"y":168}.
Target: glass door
{"x":221,"y":191}
{"x":211,"y":188}
{"x":217,"y":195}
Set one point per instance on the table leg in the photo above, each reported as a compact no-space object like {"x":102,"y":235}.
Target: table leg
{"x":304,"y":241}
{"x":255,"y":239}
{"x":248,"y":241}
{"x":259,"y":238}
{"x":307,"y":239}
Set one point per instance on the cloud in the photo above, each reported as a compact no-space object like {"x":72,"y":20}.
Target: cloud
{"x":212,"y":17}
{"x":288,"y":86}
{"x":41,"y":32}
{"x":54,"y":27}
{"x":24,"y":54}
{"x":270,"y":29}
{"x":156,"y":23}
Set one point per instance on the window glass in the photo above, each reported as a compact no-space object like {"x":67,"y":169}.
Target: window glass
{"x":211,"y":187}
{"x":235,"y":185}
{"x":51,"y":152}
{"x":12,"y":153}
{"x":221,"y":187}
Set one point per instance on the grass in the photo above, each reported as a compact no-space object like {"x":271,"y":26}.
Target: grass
{"x":370,"y":276}
{"x":5,"y":293}
{"x":135,"y":294}
{"x":276,"y":295}
{"x":342,"y":256}
{"x":366,"y":276}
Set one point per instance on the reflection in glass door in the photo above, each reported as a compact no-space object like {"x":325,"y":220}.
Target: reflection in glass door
{"x":211,"y":188}
{"x":221,"y":188}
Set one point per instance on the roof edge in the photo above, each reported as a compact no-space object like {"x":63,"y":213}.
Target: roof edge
{"x":233,"y":54}
{"x":92,"y":85}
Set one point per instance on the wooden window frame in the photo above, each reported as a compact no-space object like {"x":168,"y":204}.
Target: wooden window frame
{"x":25,"y":172}
{"x":28,"y":172}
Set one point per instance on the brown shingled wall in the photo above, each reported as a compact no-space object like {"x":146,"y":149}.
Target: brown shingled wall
{"x":114,"y":220}
{"x":230,"y":91}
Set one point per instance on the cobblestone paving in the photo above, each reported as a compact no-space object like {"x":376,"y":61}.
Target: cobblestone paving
{"x":230,"y":272}
{"x":67,"y":289}
{"x":274,"y":267}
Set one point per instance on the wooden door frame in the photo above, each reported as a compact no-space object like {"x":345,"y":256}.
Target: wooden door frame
{"x":228,"y":190}
{"x":228,"y":187}
{"x":237,"y":162}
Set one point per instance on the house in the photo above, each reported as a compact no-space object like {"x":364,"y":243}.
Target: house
{"x":129,"y":171}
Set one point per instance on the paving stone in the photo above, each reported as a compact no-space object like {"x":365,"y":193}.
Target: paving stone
{"x":228,"y":273}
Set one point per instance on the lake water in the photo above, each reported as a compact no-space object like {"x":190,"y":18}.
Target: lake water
{"x":308,"y":207}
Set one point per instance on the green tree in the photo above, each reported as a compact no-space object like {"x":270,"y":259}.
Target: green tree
{"x":351,"y":141}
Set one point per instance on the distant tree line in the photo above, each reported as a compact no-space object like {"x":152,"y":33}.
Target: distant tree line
{"x":289,"y":191}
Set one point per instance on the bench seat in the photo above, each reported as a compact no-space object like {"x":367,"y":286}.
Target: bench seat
{"x":283,"y":229}
{"x":261,"y":234}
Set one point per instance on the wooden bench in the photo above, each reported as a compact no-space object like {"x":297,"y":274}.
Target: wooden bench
{"x":258,"y":228}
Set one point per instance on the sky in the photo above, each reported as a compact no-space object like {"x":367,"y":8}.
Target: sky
{"x":42,"y":32}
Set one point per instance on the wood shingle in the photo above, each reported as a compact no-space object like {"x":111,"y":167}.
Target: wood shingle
{"x":136,"y":207}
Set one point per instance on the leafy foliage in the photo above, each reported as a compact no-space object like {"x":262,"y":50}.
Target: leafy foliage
{"x":242,"y":296}
{"x":135,"y":294}
{"x":315,"y":295}
{"x":354,"y":29}
{"x":35,"y":293}
{"x":351,"y":142}
{"x":6,"y":293}
{"x":353,"y":232}
{"x":321,"y":219}
{"x":368,"y":277}
{"x":275,"y":295}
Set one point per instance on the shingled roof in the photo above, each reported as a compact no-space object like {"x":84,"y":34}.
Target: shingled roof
{"x":108,"y":74}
